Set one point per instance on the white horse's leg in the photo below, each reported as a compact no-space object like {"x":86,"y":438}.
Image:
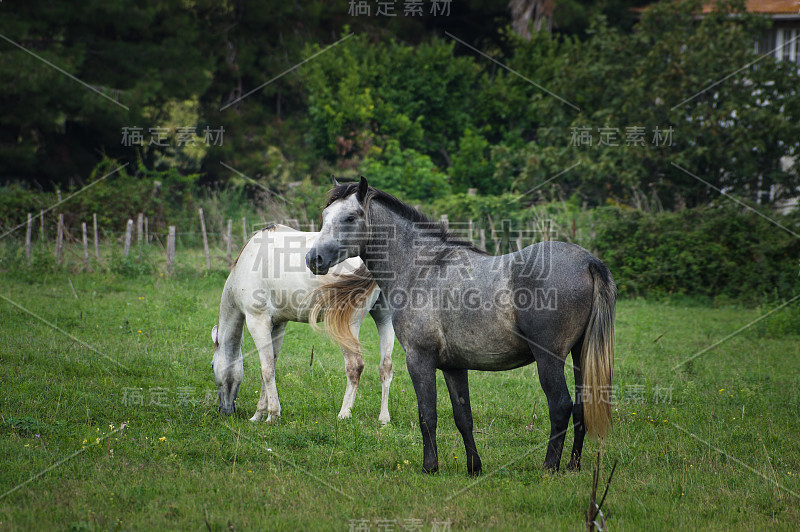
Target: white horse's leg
{"x":277,"y":340}
{"x":386,"y":336}
{"x":353,"y":366}
{"x":278,"y":332}
{"x":260,"y":327}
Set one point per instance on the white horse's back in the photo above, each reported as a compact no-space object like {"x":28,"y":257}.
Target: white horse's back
{"x":270,"y":274}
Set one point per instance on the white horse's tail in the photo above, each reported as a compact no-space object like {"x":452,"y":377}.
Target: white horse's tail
{"x":337,"y":301}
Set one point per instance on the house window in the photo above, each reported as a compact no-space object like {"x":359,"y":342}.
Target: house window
{"x":782,"y":43}
{"x":792,"y":47}
{"x":786,"y":44}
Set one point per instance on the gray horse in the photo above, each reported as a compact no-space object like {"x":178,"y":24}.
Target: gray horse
{"x":455,"y":308}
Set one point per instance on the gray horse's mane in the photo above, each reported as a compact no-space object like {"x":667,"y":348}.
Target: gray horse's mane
{"x":405,"y":211}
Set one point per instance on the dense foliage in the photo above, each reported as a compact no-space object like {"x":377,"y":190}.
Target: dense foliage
{"x":637,"y":110}
{"x":660,"y":115}
{"x":707,"y":252}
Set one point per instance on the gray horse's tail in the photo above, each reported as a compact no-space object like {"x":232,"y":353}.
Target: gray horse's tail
{"x":597,"y":355}
{"x":337,"y":301}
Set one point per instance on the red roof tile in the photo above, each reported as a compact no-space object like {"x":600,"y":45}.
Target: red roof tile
{"x":770,"y":7}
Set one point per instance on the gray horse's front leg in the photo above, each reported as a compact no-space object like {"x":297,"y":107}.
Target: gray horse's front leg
{"x":423,"y":375}
{"x":458,"y":386}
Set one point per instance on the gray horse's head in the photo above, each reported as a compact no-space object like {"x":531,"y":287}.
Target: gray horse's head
{"x":227,"y":375}
{"x":344,"y":228}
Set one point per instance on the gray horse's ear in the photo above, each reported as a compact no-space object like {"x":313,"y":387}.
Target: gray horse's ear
{"x":214,"y":334}
{"x":335,"y":182}
{"x":363,"y":186}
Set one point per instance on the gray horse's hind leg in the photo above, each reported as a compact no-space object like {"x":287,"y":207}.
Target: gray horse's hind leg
{"x":458,"y":386}
{"x":559,"y":403}
{"x":577,"y":410}
{"x":423,"y":377}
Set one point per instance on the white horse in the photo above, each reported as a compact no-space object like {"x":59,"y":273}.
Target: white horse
{"x":269,"y":285}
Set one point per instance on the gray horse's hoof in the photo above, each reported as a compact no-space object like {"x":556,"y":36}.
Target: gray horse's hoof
{"x":474,"y":469}
{"x":431,"y":470}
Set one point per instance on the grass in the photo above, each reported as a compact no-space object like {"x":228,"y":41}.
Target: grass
{"x":711,"y":445}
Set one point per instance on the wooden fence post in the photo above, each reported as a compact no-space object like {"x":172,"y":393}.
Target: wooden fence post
{"x":494,"y":233}
{"x":146,"y":233}
{"x":469,"y":226}
{"x":483,"y":239}
{"x":139,"y":234}
{"x":60,"y":238}
{"x":139,"y":229}
{"x":96,"y":244}
{"x":41,"y":219}
{"x":205,"y":239}
{"x":229,"y":238}
{"x":505,"y":227}
{"x":445,"y":222}
{"x":28,"y":238}
{"x":128,"y":230}
{"x":244,"y":230}
{"x":171,"y":249}
{"x":85,"y":247}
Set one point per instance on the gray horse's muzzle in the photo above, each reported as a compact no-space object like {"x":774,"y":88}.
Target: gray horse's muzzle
{"x":318,"y":264}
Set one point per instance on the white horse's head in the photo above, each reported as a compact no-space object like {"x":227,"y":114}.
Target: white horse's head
{"x":345,"y":229}
{"x":228,"y":370}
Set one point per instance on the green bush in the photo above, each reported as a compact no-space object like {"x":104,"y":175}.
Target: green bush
{"x":162,"y":195}
{"x":406,"y":173}
{"x":425,"y":97}
{"x":779,"y":317}
{"x":114,"y":194}
{"x":710,"y":251}
{"x":463,"y":207}
{"x":471,"y":166}
{"x":16,"y":201}
{"x":133,"y":265}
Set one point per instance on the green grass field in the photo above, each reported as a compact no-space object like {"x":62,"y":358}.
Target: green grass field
{"x":711,"y":445}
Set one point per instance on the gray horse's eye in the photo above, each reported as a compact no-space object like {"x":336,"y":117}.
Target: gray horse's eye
{"x":351,"y":219}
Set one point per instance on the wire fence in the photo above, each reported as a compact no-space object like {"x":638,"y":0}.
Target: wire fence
{"x":83,"y":244}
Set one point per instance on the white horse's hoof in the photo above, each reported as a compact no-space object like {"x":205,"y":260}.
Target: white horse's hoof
{"x":384,"y":420}
{"x":257,"y":417}
{"x":273,"y":418}
{"x":344,"y":415}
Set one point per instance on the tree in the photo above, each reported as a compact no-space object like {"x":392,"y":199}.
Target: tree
{"x":679,"y":80}
{"x":129,"y":61}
